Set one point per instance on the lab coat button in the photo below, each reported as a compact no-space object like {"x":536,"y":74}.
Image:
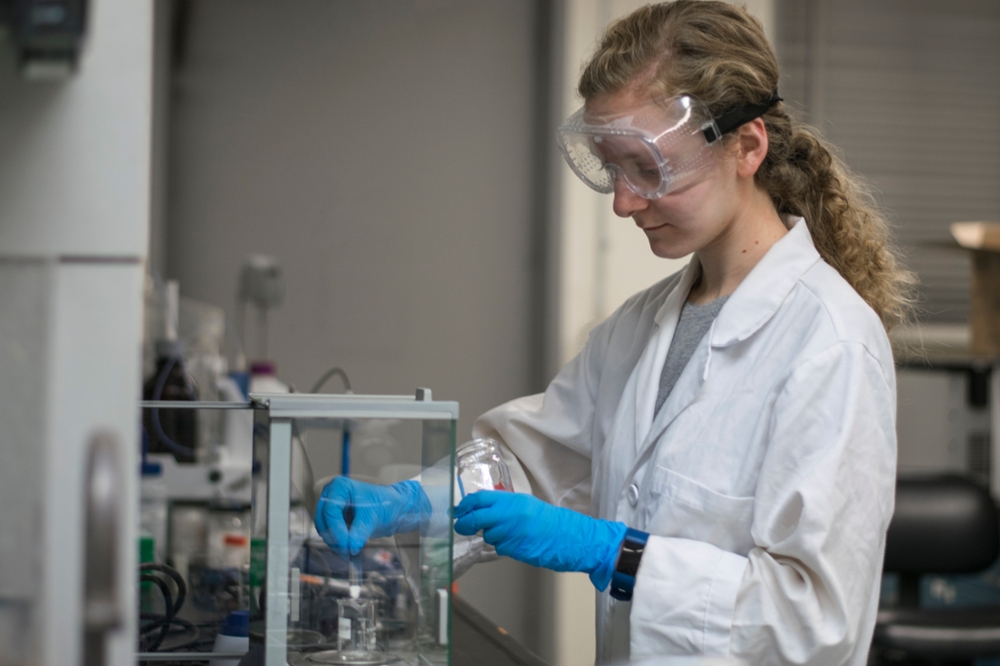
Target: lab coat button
{"x":633,"y":495}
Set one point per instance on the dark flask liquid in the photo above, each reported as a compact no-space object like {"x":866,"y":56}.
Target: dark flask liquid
{"x":179,"y":425}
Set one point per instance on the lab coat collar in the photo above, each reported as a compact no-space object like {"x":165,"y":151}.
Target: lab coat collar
{"x":761,"y":292}
{"x":766,"y":286}
{"x":752,"y":304}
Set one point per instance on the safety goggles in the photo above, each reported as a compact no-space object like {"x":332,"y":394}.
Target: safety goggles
{"x":655,"y":149}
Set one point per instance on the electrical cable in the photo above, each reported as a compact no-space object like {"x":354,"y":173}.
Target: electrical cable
{"x":175,"y":576}
{"x":156,"y":574}
{"x":181,"y":626}
{"x":345,"y":449}
{"x":326,"y":377}
{"x":168,"y":603}
{"x":297,"y":437}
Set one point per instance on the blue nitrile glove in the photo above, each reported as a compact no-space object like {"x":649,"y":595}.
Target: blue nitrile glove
{"x":530,"y":530}
{"x":349,"y":512}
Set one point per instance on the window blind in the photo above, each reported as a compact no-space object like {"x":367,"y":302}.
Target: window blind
{"x":909,"y":90}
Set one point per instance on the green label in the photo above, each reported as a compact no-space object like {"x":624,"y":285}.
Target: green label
{"x":147,"y":549}
{"x":258,"y":561}
{"x":147,"y":553}
{"x":258,"y":564}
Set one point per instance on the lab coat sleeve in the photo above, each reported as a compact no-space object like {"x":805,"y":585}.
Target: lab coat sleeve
{"x":821,"y":510}
{"x":548,"y":437}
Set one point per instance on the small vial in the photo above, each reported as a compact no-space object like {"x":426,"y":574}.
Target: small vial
{"x":355,"y":625}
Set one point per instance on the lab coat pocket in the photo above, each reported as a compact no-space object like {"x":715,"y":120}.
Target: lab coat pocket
{"x":682,"y":507}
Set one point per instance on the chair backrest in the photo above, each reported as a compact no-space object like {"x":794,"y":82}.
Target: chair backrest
{"x":942,"y":524}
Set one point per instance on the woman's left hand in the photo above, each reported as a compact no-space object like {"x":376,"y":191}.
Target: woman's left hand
{"x":532,"y":531}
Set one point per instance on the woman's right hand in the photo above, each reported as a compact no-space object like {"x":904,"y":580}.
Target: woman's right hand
{"x":350,"y":512}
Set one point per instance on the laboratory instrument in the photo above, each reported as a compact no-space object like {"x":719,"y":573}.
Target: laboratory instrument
{"x":390,"y":601}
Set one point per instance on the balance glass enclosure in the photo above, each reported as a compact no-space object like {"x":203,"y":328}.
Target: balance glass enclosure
{"x":308,"y":605}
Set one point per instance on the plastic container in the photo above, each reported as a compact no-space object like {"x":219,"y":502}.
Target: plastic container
{"x":228,"y":538}
{"x":234,"y":636}
{"x":264,"y":378}
{"x":237,"y":443}
{"x":153,"y":512}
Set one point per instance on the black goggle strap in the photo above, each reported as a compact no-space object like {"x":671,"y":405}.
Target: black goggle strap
{"x":741,"y":115}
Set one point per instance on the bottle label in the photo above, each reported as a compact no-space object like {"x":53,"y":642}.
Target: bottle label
{"x":258,"y":564}
{"x":258,"y":561}
{"x":344,"y":629}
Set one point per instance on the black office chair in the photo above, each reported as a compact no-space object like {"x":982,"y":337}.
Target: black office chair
{"x":941,"y":525}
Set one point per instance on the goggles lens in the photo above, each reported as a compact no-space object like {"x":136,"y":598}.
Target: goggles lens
{"x":655,"y":149}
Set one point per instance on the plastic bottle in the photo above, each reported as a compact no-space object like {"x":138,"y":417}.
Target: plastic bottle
{"x":228,"y":537}
{"x":237,"y":446}
{"x":153,"y":512}
{"x":234,"y":636}
{"x":264,"y":378}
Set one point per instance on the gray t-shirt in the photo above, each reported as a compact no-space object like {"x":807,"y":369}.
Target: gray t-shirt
{"x":693,"y":325}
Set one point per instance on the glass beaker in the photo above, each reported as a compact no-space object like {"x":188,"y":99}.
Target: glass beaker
{"x":480,"y":466}
{"x":355,"y":626}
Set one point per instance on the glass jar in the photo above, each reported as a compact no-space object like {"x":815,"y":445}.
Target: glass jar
{"x":480,"y":466}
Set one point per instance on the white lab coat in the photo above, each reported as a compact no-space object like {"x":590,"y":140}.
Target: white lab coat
{"x":766,"y":481}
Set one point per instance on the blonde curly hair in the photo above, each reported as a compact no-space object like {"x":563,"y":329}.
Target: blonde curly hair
{"x":719,"y":53}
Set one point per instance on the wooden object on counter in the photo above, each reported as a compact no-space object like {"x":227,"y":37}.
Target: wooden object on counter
{"x":983,"y":239}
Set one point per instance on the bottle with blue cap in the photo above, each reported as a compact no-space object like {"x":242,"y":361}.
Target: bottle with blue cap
{"x":233,"y":638}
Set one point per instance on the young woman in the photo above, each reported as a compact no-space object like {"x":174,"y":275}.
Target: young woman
{"x":720,"y":458}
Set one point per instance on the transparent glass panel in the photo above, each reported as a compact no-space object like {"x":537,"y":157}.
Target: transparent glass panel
{"x":195,"y":532}
{"x":388,"y":604}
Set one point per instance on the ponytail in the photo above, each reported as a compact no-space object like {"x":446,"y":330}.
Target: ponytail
{"x":804,"y":178}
